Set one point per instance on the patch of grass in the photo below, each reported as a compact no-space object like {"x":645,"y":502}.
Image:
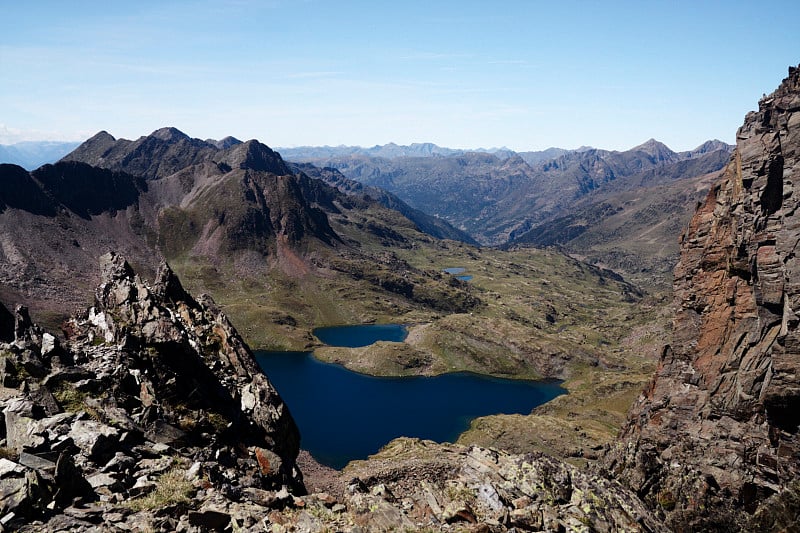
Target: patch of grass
{"x":70,"y":398}
{"x":458,"y":492}
{"x":8,"y":453}
{"x":73,"y":400}
{"x":666,"y":500}
{"x":172,"y":488}
{"x":218,"y":422}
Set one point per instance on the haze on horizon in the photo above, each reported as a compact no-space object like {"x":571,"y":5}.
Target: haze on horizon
{"x":524,"y":75}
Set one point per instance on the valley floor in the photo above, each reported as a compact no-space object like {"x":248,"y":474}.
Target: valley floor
{"x":542,"y":315}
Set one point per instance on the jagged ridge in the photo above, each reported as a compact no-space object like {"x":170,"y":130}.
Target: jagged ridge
{"x":149,"y":379}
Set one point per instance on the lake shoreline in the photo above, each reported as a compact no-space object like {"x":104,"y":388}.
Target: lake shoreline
{"x":344,"y":415}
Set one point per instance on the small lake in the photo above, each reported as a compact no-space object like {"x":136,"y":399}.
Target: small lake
{"x":458,"y":273}
{"x":360,"y":335}
{"x":343,"y":415}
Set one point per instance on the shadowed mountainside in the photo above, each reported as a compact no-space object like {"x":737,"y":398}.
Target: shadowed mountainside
{"x":497,"y":199}
{"x":431,"y":225}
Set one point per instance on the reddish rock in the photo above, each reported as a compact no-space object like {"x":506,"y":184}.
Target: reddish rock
{"x":714,"y":439}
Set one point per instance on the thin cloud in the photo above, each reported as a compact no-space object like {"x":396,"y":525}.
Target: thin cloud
{"x":11,"y":135}
{"x":509,"y":62}
{"x":433,"y":56}
{"x":312,"y":75}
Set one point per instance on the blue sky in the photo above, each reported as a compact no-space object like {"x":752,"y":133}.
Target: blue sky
{"x":523,"y":74}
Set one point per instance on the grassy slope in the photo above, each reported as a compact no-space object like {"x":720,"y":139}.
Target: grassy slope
{"x":576,"y":426}
{"x":592,"y":320}
{"x":634,"y":231}
{"x":541,"y":314}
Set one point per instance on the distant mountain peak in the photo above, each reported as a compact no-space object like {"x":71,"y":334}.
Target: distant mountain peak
{"x":169,"y":134}
{"x":101,"y":136}
{"x":651,"y":145}
{"x":656,"y":149}
{"x":712,"y":145}
{"x":256,"y":156}
{"x":225,"y":143}
{"x":100,"y":140}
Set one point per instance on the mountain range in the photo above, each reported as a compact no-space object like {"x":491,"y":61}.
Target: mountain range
{"x":284,"y":252}
{"x":616,"y":209}
{"x":496,"y":199}
{"x":33,"y":154}
{"x":148,"y":411}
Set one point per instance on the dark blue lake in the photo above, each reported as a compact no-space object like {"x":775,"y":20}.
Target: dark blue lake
{"x":464,"y":278}
{"x":360,"y":335}
{"x":343,"y":415}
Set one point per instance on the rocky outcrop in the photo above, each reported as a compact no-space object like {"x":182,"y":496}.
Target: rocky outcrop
{"x":414,"y":485}
{"x":713,"y":442}
{"x":151,"y":414}
{"x":530,"y":492}
{"x":195,"y":361}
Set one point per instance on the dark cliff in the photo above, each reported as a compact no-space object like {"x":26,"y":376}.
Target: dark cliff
{"x":87,"y":190}
{"x":713,"y":442}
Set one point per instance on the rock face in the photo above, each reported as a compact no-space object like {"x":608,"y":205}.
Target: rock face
{"x":713,"y":442}
{"x":194,"y":363}
{"x":157,"y":155}
{"x":153,"y":399}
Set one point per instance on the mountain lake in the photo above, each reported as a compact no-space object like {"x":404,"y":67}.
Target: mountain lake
{"x":344,"y":415}
{"x":456,"y":271}
{"x":360,"y":335}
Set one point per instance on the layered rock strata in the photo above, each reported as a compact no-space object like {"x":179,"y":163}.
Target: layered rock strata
{"x":713,"y":441}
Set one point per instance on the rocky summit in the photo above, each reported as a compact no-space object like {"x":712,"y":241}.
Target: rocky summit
{"x":152,"y":399}
{"x":713,"y":441}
